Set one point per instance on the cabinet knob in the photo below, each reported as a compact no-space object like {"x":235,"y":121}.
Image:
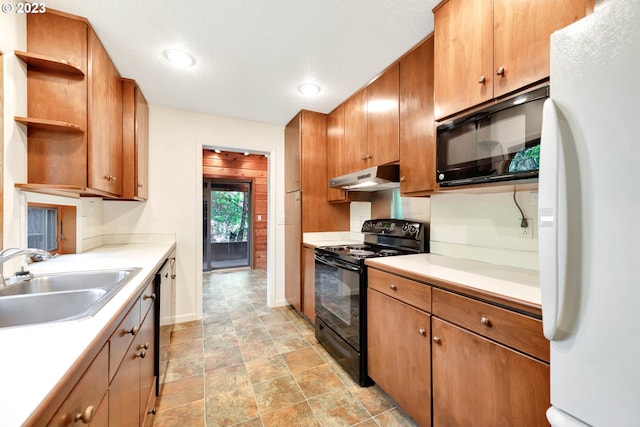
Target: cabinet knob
{"x":482,"y":80}
{"x":403,"y":178}
{"x":436,"y":339}
{"x":152,"y":296}
{"x":393,"y":287}
{"x":422,"y":332}
{"x":141,"y":354}
{"x":485,"y":321}
{"x":85,"y":416}
{"x":133,"y":330}
{"x":152,"y":412}
{"x":363,"y":158}
{"x":500,"y":71}
{"x":144,"y":346}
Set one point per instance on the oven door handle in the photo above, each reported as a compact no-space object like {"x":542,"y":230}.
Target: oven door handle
{"x":336,"y":263}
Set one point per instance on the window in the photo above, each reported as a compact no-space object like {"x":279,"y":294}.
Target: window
{"x":52,"y":228}
{"x":42,"y":224}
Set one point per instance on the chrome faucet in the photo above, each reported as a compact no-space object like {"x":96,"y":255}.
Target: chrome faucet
{"x":9,"y":253}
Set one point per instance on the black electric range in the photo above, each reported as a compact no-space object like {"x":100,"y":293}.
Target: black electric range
{"x":341,"y":282}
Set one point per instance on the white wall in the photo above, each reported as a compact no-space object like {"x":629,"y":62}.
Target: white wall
{"x":176,"y":139}
{"x":13,"y":37}
{"x":485,"y":227}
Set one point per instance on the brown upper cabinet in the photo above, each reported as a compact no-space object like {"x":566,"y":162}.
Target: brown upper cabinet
{"x":335,"y":151}
{"x":105,"y":119}
{"x":75,"y":111}
{"x":417,"y":128}
{"x":371,"y":123}
{"x":487,"y":49}
{"x":383,"y":118}
{"x":135,"y":142}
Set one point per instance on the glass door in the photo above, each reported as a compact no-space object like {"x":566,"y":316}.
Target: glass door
{"x":227,"y":226}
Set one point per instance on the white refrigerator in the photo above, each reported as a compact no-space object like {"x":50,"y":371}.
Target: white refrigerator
{"x":589,"y":219}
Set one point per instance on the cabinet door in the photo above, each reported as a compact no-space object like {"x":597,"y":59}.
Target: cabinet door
{"x":463,"y":35}
{"x":383,"y":118}
{"x":105,"y":120}
{"x":417,"y":129}
{"x":146,"y":348}
{"x":479,"y":383}
{"x":293,"y":244}
{"x":292,"y":155}
{"x":309,"y":274}
{"x":135,"y":142}
{"x":124,"y":391}
{"x":521,"y":38}
{"x":335,"y":151}
{"x":398,"y":353}
{"x":355,"y":132}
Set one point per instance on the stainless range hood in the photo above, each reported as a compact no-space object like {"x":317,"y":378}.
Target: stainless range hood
{"x":375,"y":178}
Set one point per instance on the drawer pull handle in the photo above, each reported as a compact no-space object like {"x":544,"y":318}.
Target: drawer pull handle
{"x":133,"y":330}
{"x":141,"y":354}
{"x":482,"y":80}
{"x":152,"y":296}
{"x":485,"y":321}
{"x":422,"y":332}
{"x":145,"y":346}
{"x":500,"y":71}
{"x":393,"y":287}
{"x":436,"y":339}
{"x":85,"y":416}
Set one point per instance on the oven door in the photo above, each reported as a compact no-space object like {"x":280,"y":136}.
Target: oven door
{"x":338,"y":297}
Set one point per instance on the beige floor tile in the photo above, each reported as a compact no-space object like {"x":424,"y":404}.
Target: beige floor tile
{"x":371,"y":398}
{"x":184,"y":367}
{"x":338,"y":407}
{"x":220,"y":341}
{"x":223,"y":358}
{"x":266,"y":368}
{"x":190,"y":414}
{"x":394,"y":418}
{"x":180,"y":392}
{"x":232,"y":407}
{"x":186,"y":334}
{"x":291,"y":342}
{"x":277,"y":393}
{"x":300,"y":360}
{"x":317,"y":381}
{"x":299,"y":415}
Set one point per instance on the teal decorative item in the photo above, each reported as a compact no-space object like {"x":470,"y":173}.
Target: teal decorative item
{"x":526,"y":160}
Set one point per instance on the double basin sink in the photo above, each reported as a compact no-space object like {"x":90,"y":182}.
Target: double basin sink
{"x":60,"y":297}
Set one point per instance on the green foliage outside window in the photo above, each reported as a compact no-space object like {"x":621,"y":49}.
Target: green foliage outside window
{"x":229,"y":216}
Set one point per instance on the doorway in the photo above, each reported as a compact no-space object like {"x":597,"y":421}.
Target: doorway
{"x":227,"y":225}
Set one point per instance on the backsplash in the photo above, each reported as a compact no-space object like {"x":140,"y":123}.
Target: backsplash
{"x":486,"y":227}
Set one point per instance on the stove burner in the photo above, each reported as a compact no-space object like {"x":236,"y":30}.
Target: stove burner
{"x":360,"y":253}
{"x":388,"y":252}
{"x":335,"y":248}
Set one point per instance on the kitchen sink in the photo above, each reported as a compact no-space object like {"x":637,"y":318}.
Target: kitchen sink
{"x":60,"y":297}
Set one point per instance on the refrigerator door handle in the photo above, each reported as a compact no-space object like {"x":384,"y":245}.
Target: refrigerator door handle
{"x":552,"y":221}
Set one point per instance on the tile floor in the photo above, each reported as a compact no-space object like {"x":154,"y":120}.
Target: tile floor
{"x":246,"y":364}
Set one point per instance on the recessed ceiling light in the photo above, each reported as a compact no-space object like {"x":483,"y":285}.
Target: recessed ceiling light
{"x":309,"y":89}
{"x":179,"y":58}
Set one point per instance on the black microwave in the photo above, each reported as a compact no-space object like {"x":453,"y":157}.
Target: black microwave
{"x":499,"y":143}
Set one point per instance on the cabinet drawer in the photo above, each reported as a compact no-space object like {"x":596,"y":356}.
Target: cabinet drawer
{"x":123,"y":337}
{"x":512,"y":329}
{"x":86,"y":396}
{"x":406,"y":290}
{"x":147,"y":298}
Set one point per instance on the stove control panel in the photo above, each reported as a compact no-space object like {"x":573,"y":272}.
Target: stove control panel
{"x":393,"y":227}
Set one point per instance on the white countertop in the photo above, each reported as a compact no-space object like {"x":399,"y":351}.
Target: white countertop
{"x":516,"y":284}
{"x":33,"y":359}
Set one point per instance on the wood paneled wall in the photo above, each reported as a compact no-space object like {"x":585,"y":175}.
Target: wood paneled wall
{"x":231,"y":165}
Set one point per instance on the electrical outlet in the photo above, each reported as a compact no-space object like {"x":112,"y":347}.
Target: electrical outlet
{"x":533,"y":198}
{"x":525,"y":232}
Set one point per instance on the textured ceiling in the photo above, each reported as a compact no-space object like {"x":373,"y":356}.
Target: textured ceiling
{"x":252,"y":54}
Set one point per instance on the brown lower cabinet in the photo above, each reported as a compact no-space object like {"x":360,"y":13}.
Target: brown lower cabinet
{"x":477,"y":382}
{"x":118,"y":385}
{"x":398,"y":353}
{"x":449,"y":360}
